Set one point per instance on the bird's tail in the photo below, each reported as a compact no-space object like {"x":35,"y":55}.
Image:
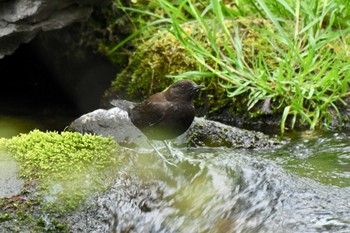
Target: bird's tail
{"x":123,"y":104}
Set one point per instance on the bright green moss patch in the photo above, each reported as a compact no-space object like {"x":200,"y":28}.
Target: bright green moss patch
{"x":61,"y":171}
{"x":3,"y":143}
{"x":68,"y":166}
{"x":56,"y":154}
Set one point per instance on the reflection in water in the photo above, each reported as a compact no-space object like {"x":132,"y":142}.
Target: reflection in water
{"x":324,"y":158}
{"x":11,"y":126}
{"x":221,"y":190}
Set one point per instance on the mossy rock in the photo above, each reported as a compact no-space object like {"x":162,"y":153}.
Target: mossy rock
{"x":61,"y":170}
{"x":163,"y":55}
{"x":53,"y":154}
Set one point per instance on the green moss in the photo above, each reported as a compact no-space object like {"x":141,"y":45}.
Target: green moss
{"x":54,"y":154}
{"x":24,"y":215}
{"x":159,"y":56}
{"x":5,"y":217}
{"x":163,"y":55}
{"x":3,"y":142}
{"x":61,"y":171}
{"x":69,"y":166}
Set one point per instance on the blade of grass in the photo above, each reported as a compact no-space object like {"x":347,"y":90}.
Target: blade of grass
{"x":285,"y":114}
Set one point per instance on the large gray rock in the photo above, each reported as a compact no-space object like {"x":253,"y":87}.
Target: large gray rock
{"x":116,"y":123}
{"x":207,"y":133}
{"x":22,"y":20}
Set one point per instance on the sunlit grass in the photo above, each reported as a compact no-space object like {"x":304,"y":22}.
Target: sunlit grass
{"x":305,"y":72}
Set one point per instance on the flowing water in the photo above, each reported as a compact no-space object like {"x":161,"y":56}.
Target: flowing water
{"x":302,"y":186}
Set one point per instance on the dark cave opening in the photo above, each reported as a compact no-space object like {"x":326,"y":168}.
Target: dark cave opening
{"x":27,"y":84}
{"x":29,"y":91}
{"x":46,"y":82}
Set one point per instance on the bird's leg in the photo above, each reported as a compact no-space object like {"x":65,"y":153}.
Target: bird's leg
{"x":176,"y":154}
{"x":167,"y":144}
{"x":160,"y":154}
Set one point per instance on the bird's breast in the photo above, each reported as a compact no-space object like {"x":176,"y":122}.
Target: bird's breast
{"x":181,"y":115}
{"x":163,"y":120}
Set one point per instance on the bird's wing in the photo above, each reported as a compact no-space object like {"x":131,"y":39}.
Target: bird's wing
{"x":149,"y":113}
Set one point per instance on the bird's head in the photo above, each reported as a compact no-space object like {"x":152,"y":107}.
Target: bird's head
{"x":183,"y":90}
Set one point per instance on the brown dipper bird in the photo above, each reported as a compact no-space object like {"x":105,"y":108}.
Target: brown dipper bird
{"x":166,"y":115}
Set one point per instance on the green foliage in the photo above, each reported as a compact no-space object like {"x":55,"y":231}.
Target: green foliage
{"x":69,"y":166}
{"x":157,"y":57}
{"x":310,"y":77}
{"x":297,"y":59}
{"x":163,"y":56}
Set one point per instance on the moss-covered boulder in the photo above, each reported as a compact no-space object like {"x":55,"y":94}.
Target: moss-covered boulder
{"x":61,"y":170}
{"x":163,"y":55}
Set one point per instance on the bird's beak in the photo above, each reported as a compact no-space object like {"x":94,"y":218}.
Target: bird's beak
{"x":198,"y":87}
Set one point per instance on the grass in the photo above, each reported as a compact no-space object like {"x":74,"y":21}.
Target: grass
{"x":304,"y":71}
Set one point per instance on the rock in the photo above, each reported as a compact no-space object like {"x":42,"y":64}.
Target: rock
{"x":116,"y":123}
{"x":10,"y":183}
{"x":22,"y":20}
{"x":215,"y":134}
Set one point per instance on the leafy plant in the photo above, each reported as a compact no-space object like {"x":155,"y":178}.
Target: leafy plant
{"x":301,"y":73}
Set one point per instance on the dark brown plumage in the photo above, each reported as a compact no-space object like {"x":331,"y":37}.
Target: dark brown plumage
{"x":166,"y":115}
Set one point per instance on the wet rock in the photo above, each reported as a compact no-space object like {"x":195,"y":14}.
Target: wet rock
{"x":215,"y":134}
{"x":116,"y":123}
{"x":10,"y":184}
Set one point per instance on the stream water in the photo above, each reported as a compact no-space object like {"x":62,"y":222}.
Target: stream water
{"x":302,"y":186}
